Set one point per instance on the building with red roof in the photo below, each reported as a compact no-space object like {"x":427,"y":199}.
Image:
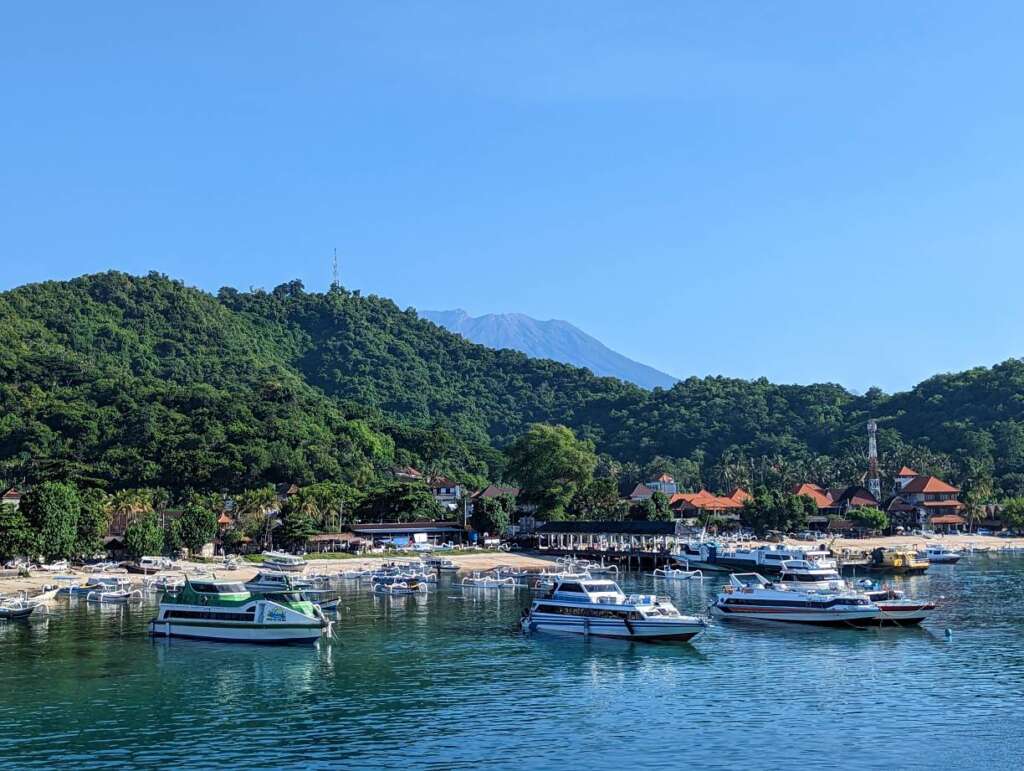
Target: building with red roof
{"x":922,"y":499}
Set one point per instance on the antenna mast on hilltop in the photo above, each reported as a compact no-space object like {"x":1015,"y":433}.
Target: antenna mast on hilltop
{"x":334,"y":270}
{"x":874,"y":484}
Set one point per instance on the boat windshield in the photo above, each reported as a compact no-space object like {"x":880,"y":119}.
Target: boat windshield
{"x":284,"y":597}
{"x":601,"y":587}
{"x":219,"y":588}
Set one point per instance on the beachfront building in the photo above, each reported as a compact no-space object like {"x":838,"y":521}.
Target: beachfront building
{"x":446,"y":492}
{"x":406,"y":533}
{"x":929,"y":501}
{"x":627,"y":536}
{"x":822,"y":500}
{"x":691,"y":507}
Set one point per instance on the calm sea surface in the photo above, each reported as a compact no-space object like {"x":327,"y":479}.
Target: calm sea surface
{"x":447,"y":681}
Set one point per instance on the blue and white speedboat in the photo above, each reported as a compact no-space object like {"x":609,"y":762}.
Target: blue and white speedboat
{"x":598,"y":607}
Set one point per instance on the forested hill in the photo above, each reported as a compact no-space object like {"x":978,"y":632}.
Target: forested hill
{"x":145,"y":382}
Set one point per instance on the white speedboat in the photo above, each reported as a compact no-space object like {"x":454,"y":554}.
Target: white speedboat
{"x":272,"y":581}
{"x":225,"y":611}
{"x":440,"y":563}
{"x":751,"y":597}
{"x":600,"y":608}
{"x":807,"y":576}
{"x":279,"y":560}
{"x":765,"y":560}
{"x":937,"y":554}
{"x":896,"y":608}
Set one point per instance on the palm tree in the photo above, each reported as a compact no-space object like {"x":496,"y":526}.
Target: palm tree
{"x":253,"y":508}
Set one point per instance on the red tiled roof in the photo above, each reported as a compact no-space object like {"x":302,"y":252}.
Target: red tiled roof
{"x":947,"y":519}
{"x":704,"y":500}
{"x":665,"y":478}
{"x":224,"y":519}
{"x":641,"y":489}
{"x":817,"y":494}
{"x":927,"y":484}
{"x":739,"y":495}
{"x":906,"y":471}
{"x":943,"y":504}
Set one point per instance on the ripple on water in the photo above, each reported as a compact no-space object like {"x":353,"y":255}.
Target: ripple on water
{"x":446,"y":681}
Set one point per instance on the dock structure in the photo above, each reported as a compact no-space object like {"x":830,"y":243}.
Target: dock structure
{"x":636,"y":543}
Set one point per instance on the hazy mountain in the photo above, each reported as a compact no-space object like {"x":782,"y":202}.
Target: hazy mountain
{"x":558,"y":340}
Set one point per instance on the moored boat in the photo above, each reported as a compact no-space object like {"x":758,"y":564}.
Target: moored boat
{"x":282,"y":561}
{"x":226,"y":611}
{"x":598,"y":607}
{"x":751,"y":597}
{"x":677,"y":574}
{"x":897,"y":561}
{"x":937,"y":554}
{"x":273,"y":581}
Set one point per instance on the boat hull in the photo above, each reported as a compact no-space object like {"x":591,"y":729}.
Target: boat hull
{"x":244,"y":633}
{"x":904,"y":614}
{"x":597,"y":627}
{"x":283,"y":567}
{"x":792,"y":616}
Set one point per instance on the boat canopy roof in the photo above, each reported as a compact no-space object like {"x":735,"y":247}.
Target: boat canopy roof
{"x":216,"y":587}
{"x":753,"y":580}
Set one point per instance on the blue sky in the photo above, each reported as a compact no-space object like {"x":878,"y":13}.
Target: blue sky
{"x":805,"y":191}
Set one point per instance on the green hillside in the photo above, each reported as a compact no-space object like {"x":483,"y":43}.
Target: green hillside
{"x":142,"y":381}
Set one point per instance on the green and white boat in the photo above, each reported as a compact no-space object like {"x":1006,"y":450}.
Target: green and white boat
{"x":221,"y":610}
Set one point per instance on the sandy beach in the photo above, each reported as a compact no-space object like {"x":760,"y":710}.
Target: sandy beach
{"x":470,"y":561}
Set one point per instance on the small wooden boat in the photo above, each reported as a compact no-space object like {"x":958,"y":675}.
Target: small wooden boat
{"x":113,"y":596}
{"x":478,"y":581}
{"x":16,"y":610}
{"x":400,"y":587}
{"x":677,"y":574}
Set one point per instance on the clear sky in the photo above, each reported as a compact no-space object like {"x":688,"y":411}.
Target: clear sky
{"x":805,"y":191}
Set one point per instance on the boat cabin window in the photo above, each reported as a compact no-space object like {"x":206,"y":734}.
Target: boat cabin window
{"x":599,"y":587}
{"x":284,"y":597}
{"x":219,"y":588}
{"x":568,"y":586}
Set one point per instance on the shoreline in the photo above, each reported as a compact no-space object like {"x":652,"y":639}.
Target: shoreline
{"x":469,"y":562}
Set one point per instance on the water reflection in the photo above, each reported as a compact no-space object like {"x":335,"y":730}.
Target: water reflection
{"x":445,"y":680}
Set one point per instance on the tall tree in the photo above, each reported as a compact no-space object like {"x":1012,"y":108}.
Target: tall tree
{"x":53,"y":508}
{"x":399,"y":502}
{"x":93,"y":521}
{"x":493,"y":515}
{"x":197,"y":526}
{"x":550,"y":464}
{"x":17,"y":538}
{"x":144,"y":536}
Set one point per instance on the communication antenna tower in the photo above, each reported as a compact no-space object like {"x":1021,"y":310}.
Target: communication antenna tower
{"x":874,"y":484}
{"x":334,"y":269}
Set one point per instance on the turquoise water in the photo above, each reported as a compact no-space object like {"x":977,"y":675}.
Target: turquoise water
{"x":447,"y":681}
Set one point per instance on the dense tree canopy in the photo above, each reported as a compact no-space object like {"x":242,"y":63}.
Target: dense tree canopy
{"x":52,"y":508}
{"x":119,"y":382}
{"x":551,"y":465}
